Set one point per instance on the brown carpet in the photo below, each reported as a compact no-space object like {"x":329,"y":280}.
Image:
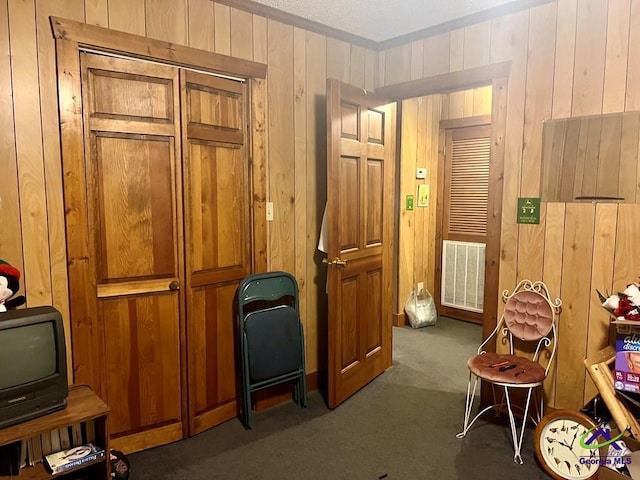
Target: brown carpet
{"x":402,"y":426}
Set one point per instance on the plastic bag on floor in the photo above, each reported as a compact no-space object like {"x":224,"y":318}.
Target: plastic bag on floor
{"x":421,"y":309}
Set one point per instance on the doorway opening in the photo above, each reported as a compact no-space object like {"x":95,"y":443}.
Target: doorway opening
{"x":444,"y":164}
{"x":496,"y":76}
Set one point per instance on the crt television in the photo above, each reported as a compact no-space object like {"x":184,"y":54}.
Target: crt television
{"x":33,"y":364}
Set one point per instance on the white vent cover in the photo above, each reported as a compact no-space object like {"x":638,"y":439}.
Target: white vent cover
{"x":463,"y":275}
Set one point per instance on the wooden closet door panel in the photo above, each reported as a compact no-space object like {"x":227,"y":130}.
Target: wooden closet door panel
{"x":134,"y":207}
{"x":142,"y":362}
{"x":219,"y":225}
{"x":217,"y":236}
{"x":212,"y":354}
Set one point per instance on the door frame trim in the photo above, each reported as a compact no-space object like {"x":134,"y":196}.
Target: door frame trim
{"x":139,"y":46}
{"x":496,"y":75}
{"x":70,"y":38}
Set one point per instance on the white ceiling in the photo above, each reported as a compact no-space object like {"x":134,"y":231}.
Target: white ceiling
{"x":380,"y":20}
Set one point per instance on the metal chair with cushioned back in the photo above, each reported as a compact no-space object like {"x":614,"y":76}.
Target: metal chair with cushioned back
{"x":271,"y":337}
{"x":528,"y":323}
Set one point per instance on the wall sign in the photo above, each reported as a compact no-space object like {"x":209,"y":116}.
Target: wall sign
{"x":409,"y":202}
{"x":529,"y":210}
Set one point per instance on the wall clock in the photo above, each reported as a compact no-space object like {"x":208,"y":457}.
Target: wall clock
{"x":558,"y":448}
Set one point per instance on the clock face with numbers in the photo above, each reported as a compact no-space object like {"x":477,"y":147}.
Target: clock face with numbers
{"x":559,"y":449}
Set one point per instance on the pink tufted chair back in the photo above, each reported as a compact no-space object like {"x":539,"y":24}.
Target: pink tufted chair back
{"x":528,"y":315}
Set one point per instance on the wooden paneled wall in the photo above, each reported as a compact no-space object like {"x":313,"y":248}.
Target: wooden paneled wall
{"x":569,"y":58}
{"x":299,"y":62}
{"x":419,"y":148}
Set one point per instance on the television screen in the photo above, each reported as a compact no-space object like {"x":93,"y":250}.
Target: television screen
{"x":30,"y":351}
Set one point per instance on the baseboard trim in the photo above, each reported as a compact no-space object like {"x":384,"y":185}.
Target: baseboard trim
{"x":399,"y":319}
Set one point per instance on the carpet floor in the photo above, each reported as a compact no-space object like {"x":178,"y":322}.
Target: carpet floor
{"x":401,"y":426}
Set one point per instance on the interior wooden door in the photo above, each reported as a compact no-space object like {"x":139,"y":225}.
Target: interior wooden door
{"x":361,"y":137}
{"x":217,"y":239}
{"x":130,"y":277}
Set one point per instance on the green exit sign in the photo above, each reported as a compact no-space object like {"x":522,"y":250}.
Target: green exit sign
{"x":409,"y":202}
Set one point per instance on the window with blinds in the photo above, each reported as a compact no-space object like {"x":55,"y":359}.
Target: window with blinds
{"x":467,"y":183}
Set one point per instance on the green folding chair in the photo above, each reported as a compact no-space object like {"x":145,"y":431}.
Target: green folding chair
{"x":271,"y":337}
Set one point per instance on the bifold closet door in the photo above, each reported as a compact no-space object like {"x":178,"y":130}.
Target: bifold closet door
{"x":217,"y":238}
{"x":133,"y":278}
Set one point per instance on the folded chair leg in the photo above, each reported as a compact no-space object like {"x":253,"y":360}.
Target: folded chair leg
{"x":303,"y":391}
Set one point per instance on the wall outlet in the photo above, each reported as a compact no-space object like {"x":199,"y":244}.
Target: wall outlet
{"x":420,"y":286}
{"x":269,"y":211}
{"x":421,"y":173}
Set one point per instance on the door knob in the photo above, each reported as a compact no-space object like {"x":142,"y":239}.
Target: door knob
{"x":174,"y":285}
{"x":336,"y":261}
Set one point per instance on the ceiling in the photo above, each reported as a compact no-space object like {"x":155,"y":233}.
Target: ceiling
{"x":380,"y":20}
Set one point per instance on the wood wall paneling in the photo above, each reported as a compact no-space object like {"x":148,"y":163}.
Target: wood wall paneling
{"x":167,"y":20}
{"x":260,"y":39}
{"x":456,"y":50}
{"x":51,"y":151}
{"x":127,"y":16}
{"x":10,"y":211}
{"x":435,"y":63}
{"x":477,"y":42}
{"x":552,"y":273}
{"x":604,"y":246}
{"x":201,"y":24}
{"x":300,"y":210}
{"x":407,"y":237}
{"x":281,"y":146}
{"x":629,"y":144}
{"x":632,"y":98}
{"x":96,"y":12}
{"x":565,"y":53}
{"x":509,"y":41}
{"x":222,"y":28}
{"x":591,"y":38}
{"x":617,"y":50}
{"x":417,"y":59}
{"x":338,"y":60}
{"x":30,"y":154}
{"x":316,"y":193}
{"x":241,"y":34}
{"x":575,"y":291}
{"x":397,"y":65}
{"x":537,"y":108}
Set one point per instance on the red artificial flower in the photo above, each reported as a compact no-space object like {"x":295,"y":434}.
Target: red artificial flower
{"x":624,"y":308}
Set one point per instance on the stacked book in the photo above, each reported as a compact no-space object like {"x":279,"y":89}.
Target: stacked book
{"x":36,"y":449}
{"x":66,"y":460}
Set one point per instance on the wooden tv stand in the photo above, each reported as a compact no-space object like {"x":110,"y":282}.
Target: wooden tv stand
{"x":82,"y":405}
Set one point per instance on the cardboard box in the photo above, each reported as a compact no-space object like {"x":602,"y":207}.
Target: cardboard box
{"x":606,"y":473}
{"x":627,"y":364}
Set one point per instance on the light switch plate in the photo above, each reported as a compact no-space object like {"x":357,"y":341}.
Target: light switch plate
{"x":421,"y":173}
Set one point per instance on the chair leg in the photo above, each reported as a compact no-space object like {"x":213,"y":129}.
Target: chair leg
{"x":303,"y":390}
{"x":471,"y":393}
{"x":517,"y":438}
